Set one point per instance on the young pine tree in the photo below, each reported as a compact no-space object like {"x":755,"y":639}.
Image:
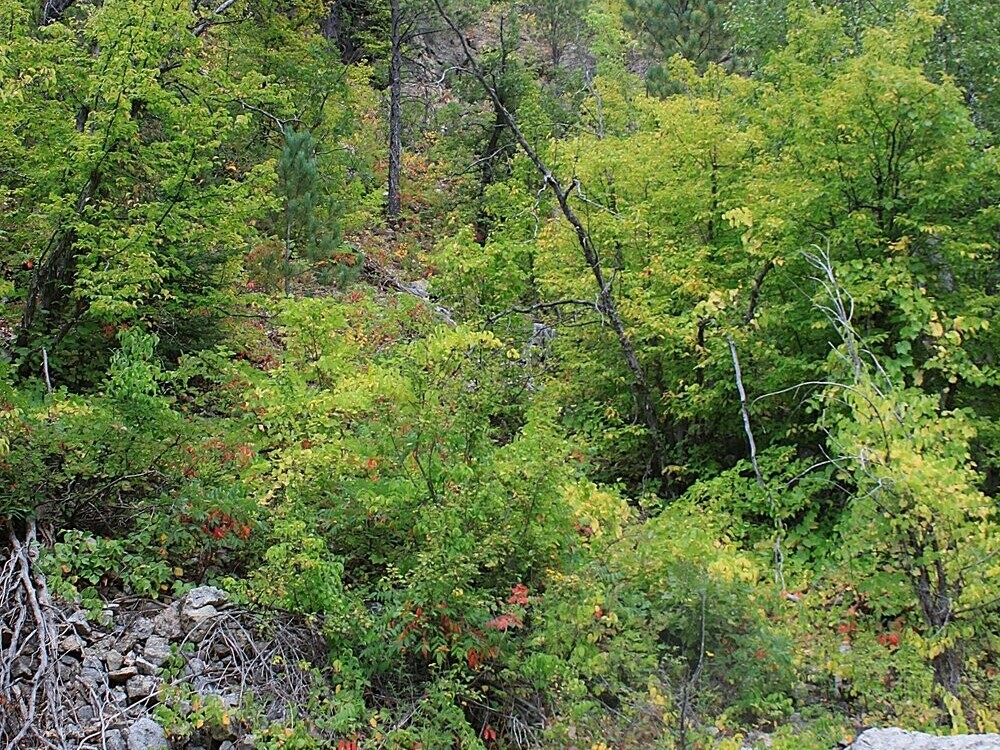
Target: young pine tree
{"x":310,"y":232}
{"x":694,"y":29}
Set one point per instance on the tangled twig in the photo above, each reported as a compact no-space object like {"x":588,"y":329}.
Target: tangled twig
{"x":29,"y":636}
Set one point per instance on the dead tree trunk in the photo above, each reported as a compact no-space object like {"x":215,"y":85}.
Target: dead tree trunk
{"x":393,"y":201}
{"x":609,"y":309}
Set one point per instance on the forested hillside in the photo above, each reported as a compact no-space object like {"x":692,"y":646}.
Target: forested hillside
{"x":575,"y":373}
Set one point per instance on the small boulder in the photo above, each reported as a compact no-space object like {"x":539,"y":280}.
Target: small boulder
{"x":203,"y":596}
{"x":142,"y":628}
{"x":157,"y":650}
{"x":146,"y":734}
{"x":114,"y":740}
{"x":168,"y":622}
{"x":113,"y":659}
{"x":141,"y":688}
{"x":898,"y":739}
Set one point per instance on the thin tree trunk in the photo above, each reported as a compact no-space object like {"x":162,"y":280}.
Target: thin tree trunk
{"x":394,"y":203}
{"x":640,"y":386}
{"x":52,"y":274}
{"x":286,"y":265}
{"x":936,"y":595}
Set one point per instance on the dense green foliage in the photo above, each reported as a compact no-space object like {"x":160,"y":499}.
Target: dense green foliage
{"x":219,"y":364}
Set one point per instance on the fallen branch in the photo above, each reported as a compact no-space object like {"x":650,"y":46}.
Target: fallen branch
{"x":387,"y":278}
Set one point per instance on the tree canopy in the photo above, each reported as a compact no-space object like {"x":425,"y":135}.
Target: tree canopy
{"x":661,"y":410}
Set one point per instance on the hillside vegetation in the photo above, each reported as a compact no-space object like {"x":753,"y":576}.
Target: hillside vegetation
{"x":584,"y":373}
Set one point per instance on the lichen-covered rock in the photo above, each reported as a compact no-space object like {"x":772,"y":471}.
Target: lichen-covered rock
{"x":898,"y":739}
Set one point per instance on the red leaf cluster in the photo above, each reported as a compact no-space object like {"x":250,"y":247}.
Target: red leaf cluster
{"x":518,"y":594}
{"x":505,"y":621}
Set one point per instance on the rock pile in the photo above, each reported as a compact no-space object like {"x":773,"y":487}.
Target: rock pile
{"x":110,"y":677}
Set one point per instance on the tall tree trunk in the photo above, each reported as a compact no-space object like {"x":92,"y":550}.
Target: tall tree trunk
{"x":393,"y":203}
{"x":52,"y":277}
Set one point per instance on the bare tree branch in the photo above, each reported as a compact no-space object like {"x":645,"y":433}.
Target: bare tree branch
{"x":609,"y":308}
{"x":543,"y":306}
{"x":206,"y":23}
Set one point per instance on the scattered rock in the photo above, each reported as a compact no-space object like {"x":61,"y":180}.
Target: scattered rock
{"x":125,"y":642}
{"x":113,"y":659}
{"x":203,"y":596}
{"x":110,"y":671}
{"x":95,"y":679}
{"x":157,"y":650}
{"x":898,"y":739}
{"x":72,"y":644}
{"x":140,"y":688}
{"x":199,"y":621}
{"x":145,"y":667}
{"x":142,"y":628}
{"x":114,"y":740}
{"x":80,"y":624}
{"x":168,"y":622}
{"x":69,"y":667}
{"x":122,"y":674}
{"x":146,"y":734}
{"x":195,"y":667}
{"x":22,"y":666}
